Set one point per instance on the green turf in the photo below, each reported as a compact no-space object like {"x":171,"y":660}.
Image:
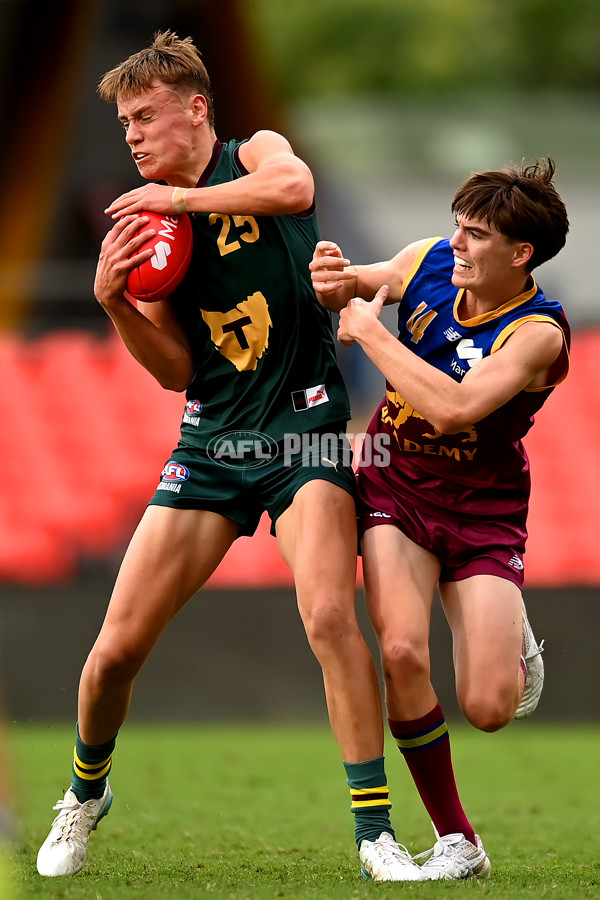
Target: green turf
{"x":263,"y":812}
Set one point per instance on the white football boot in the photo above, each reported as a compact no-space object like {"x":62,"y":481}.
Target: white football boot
{"x":454,"y":857}
{"x":386,"y":860}
{"x":534,"y":681}
{"x":65,"y":849}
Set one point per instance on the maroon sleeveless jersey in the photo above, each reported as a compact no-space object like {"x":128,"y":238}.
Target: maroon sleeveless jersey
{"x":482,"y":472}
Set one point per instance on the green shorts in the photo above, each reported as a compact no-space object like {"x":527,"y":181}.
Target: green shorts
{"x":243,"y":474}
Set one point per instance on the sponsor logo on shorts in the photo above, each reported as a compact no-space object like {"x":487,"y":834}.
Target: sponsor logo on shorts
{"x":172,"y":477}
{"x":379,"y":515}
{"x":251,"y":448}
{"x":516,"y":562}
{"x":191,"y":416}
{"x":309,"y":397}
{"x":175,"y":471}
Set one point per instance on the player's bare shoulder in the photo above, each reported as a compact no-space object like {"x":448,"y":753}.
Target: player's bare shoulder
{"x":392,"y":272}
{"x":261,"y":145}
{"x":541,"y":346}
{"x":406,"y":260}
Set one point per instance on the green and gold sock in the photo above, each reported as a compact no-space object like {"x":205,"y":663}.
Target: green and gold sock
{"x":91,"y":766}
{"x":370,"y":799}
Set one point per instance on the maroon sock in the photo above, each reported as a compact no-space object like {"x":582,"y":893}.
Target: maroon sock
{"x":425,"y":745}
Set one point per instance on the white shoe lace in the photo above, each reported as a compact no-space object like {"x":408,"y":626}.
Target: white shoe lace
{"x":449,"y":851}
{"x":460,"y":857}
{"x":73,"y":817}
{"x":385,"y":854}
{"x":389,"y":852}
{"x":530,"y":647}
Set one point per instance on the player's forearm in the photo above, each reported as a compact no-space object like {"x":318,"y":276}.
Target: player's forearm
{"x":355,"y":281}
{"x":335,"y":300}
{"x":165,"y":356}
{"x":273,"y":190}
{"x":432,"y":393}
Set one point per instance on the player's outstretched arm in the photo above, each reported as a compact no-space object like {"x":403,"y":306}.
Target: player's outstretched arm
{"x":336,"y":281}
{"x":278,"y":183}
{"x":524,"y":361}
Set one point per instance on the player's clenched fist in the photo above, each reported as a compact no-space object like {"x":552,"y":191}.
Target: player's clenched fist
{"x":329,"y":269}
{"x":359,"y":315}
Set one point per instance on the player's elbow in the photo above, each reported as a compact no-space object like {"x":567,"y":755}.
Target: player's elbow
{"x":174,"y":378}
{"x":453,"y":419}
{"x":178,"y":387}
{"x":299,"y":193}
{"x":295,"y":185}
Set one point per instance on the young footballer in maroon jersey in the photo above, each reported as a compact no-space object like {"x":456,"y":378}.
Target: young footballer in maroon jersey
{"x":479,"y":350}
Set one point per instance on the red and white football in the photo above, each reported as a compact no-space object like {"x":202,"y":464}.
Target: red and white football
{"x":158,"y":276}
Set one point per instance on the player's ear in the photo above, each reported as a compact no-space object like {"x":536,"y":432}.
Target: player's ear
{"x":199,"y":108}
{"x":523,"y":253}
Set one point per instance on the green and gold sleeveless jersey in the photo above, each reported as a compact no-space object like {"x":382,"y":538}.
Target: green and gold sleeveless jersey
{"x":262,"y":344}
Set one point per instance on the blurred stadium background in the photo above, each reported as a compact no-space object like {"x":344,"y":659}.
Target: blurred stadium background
{"x":392,"y":103}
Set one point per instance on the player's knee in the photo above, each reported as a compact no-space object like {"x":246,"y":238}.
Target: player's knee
{"x":326,"y":622}
{"x":486,"y":713}
{"x":114,"y":661}
{"x":404,"y":660}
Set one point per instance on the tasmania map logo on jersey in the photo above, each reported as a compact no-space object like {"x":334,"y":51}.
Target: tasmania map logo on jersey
{"x":241,"y":334}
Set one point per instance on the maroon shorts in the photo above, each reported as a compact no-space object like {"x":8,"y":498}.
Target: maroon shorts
{"x":463,"y":547}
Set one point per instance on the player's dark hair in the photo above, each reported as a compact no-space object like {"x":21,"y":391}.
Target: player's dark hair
{"x":520,"y":202}
{"x":171,"y":59}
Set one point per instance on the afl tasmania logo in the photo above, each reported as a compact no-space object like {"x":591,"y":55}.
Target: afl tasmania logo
{"x":174,"y":472}
{"x":193,"y":408}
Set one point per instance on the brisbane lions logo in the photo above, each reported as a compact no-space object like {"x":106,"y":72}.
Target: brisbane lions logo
{"x":397,"y":412}
{"x":241,"y":335}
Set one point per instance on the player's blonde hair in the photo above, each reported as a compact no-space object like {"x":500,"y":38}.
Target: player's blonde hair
{"x":522,"y":203}
{"x":173,"y":60}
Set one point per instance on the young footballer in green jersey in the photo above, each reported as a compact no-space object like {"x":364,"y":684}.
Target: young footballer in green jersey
{"x":263,"y":429}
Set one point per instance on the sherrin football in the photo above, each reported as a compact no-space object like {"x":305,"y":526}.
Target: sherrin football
{"x":158,"y":276}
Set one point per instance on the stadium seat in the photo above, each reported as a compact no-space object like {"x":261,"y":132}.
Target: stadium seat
{"x":86,"y":430}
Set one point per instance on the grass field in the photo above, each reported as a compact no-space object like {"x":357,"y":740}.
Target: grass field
{"x":263,"y":812}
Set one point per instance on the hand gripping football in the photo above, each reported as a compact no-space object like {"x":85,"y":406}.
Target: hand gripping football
{"x":158,"y":276}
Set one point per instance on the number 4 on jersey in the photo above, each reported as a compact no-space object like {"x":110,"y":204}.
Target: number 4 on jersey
{"x":419,"y":321}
